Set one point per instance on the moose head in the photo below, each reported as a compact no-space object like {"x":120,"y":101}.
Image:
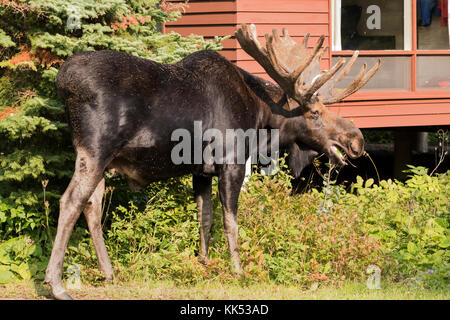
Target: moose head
{"x":308,"y":89}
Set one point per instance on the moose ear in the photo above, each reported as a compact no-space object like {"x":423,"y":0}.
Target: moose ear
{"x":298,"y":158}
{"x":290,"y":104}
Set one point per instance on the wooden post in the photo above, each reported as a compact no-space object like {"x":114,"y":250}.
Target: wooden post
{"x":422,"y":142}
{"x":404,"y":142}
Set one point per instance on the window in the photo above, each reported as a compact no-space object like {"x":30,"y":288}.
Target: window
{"x":432,"y":21}
{"x":372,"y":25}
{"x":412,"y":38}
{"x":433,"y":72}
{"x":394,"y":73}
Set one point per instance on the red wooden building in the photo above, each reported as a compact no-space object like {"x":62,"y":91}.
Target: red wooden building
{"x":411,"y":89}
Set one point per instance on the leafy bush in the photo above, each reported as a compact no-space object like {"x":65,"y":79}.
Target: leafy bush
{"x":411,"y":220}
{"x":323,"y":236}
{"x":157,"y":240}
{"x":378,"y":136}
{"x":21,"y":259}
{"x":403,"y":228}
{"x":301,"y":243}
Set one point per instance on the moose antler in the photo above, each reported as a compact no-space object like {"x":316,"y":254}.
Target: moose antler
{"x":360,"y":81}
{"x":297,"y":69}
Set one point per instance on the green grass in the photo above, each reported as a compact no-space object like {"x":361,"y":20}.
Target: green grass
{"x":215,"y":290}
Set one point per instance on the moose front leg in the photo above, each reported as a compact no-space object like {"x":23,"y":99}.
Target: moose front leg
{"x":202,"y":193}
{"x":230,"y":183}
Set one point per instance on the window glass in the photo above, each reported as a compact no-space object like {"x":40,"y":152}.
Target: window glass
{"x":372,"y":25}
{"x":433,"y":72}
{"x":393,"y":75}
{"x":433,"y":29}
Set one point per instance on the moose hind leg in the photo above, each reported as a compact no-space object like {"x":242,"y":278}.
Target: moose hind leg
{"x":230,"y":183}
{"x":88,"y":173}
{"x":93,"y":214}
{"x":202,"y":193}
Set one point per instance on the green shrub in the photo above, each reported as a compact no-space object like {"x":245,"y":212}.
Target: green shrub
{"x":403,"y":228}
{"x":411,"y":220}
{"x":307,"y":239}
{"x":292,"y":240}
{"x":21,"y":259}
{"x":159,"y":238}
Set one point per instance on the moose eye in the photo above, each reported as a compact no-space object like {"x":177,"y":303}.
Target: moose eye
{"x":315,"y":114}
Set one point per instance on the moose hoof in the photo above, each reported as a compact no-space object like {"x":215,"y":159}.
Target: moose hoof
{"x":109,"y":278}
{"x":237,"y":272}
{"x":237,"y":268}
{"x":61,"y":295}
{"x":203,"y":260}
{"x":57,"y":290}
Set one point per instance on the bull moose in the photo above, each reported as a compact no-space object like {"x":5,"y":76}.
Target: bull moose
{"x":123,"y":109}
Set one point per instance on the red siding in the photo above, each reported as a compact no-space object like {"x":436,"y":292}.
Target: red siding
{"x":396,"y":113}
{"x":209,"y":19}
{"x":282,"y":6}
{"x":220,"y":18}
{"x":299,"y":17}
